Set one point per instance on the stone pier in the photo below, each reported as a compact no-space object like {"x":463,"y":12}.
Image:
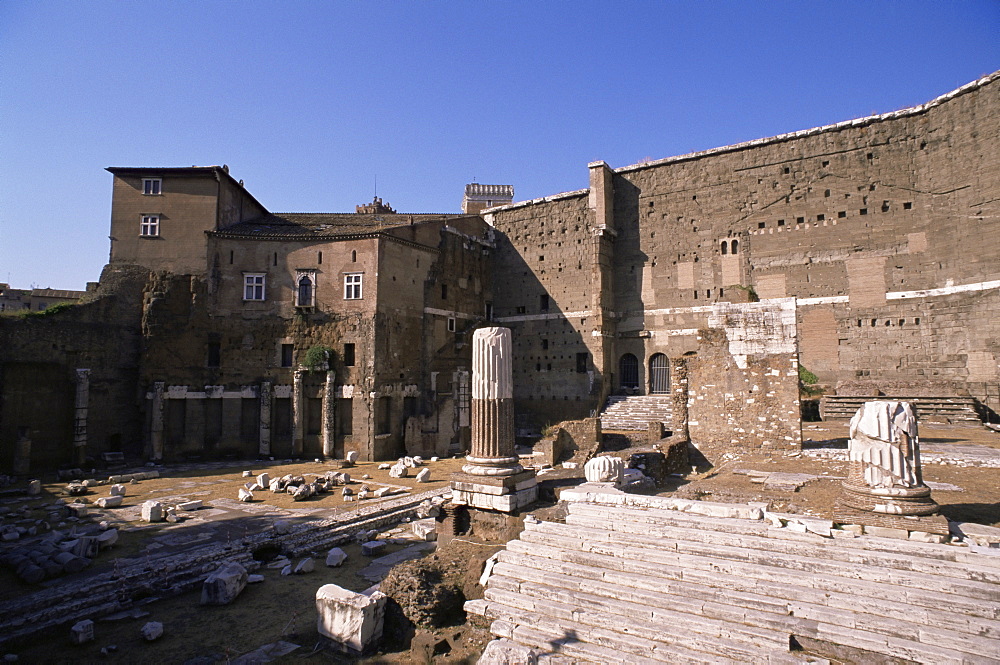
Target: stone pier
{"x":492,"y":478}
{"x":82,"y":403}
{"x":298,"y":412}
{"x":264,"y":442}
{"x":156,"y":423}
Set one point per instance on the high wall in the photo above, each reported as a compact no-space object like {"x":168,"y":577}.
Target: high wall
{"x":39,"y":359}
{"x":887,"y":219}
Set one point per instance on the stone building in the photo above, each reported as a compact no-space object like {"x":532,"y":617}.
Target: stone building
{"x":865,"y":250}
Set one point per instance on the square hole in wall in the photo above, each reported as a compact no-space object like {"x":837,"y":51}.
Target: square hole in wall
{"x":800,"y":220}
{"x":781,"y":222}
{"x":761,"y":225}
{"x":820,"y":217}
{"x":863,"y":211}
{"x":908,"y":205}
{"x":842,"y":214}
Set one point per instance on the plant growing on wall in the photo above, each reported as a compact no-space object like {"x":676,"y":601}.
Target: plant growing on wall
{"x":806,"y":383}
{"x":317,"y":357}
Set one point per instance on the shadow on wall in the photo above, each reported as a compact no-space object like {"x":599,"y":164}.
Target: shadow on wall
{"x":555,"y":377}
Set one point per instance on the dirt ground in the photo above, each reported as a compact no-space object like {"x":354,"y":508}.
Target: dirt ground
{"x":283,"y":609}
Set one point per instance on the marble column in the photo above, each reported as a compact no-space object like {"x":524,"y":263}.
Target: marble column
{"x":156,"y":421}
{"x":329,"y":411}
{"x":264,"y":443}
{"x":492,"y":451}
{"x":82,"y":403}
{"x":492,"y":479}
{"x":298,"y":412}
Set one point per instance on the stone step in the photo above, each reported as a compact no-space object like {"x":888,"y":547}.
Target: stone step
{"x":692,"y":540}
{"x":577,"y":626}
{"x":778,"y":606}
{"x":753,"y":572}
{"x":622,"y":517}
{"x":818,"y":621}
{"x":670,"y":618}
{"x":955,"y":408}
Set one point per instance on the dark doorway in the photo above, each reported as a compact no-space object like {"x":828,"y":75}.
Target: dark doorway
{"x":628,"y":368}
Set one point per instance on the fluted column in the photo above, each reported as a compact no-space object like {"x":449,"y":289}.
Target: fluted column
{"x":329,"y":411}
{"x":298,"y":412}
{"x":492,"y":405}
{"x":264,"y":443}
{"x":82,"y":404}
{"x":156,"y":421}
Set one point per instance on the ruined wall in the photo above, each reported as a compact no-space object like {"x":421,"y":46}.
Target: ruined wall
{"x":39,"y":356}
{"x":743,"y":381}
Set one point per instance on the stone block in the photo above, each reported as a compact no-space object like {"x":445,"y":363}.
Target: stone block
{"x":109,"y":502}
{"x":336,"y":557}
{"x":255,"y":579}
{"x":384,"y":491}
{"x":189,"y":505}
{"x":505,"y":652}
{"x":399,"y":471}
{"x":924,"y":537}
{"x":77,"y":509}
{"x":886,"y":532}
{"x":222,"y":586}
{"x":424,"y":476}
{"x":118,"y":490}
{"x":373,"y":547}
{"x":351,"y":456}
{"x":425,"y":529}
{"x":151,"y":630}
{"x":34,"y":487}
{"x":245,"y":495}
{"x":107,"y":538}
{"x":352,"y":621}
{"x":82,"y":632}
{"x":304,"y":566}
{"x":264,"y":479}
{"x":152,"y":511}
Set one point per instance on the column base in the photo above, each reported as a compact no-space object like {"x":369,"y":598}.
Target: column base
{"x":503,"y":493}
{"x":845,"y":514}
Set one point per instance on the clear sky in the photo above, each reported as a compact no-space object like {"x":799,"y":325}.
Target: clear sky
{"x":310,"y":102}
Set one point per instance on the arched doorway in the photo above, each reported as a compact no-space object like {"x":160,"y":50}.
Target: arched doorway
{"x":659,"y":375}
{"x":628,"y":368}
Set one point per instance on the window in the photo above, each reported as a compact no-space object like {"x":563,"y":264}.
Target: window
{"x":150,"y":226}
{"x":444,"y":292}
{"x":581,"y":362}
{"x":287,"y":354}
{"x":151,"y":186}
{"x":451,"y":324}
{"x":725,"y":247}
{"x":543,"y":303}
{"x":305,"y":291}
{"x":352,"y":286}
{"x":489,"y":311}
{"x":253,"y":286}
{"x":349,"y":355}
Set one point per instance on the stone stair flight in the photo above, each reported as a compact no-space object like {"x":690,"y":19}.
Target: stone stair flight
{"x":635,"y":412}
{"x":630,"y":585}
{"x":955,"y":410}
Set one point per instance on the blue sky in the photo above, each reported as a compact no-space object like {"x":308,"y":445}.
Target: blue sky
{"x":309,"y":102}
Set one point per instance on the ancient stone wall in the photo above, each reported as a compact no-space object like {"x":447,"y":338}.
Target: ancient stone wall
{"x":39,"y":359}
{"x":880,"y":219}
{"x":743,"y":381}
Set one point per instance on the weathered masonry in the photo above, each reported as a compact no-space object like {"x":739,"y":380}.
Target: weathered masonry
{"x":883,"y":231}
{"x":867,"y":251}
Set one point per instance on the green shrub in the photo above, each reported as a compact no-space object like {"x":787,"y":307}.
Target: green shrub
{"x":317,"y":356}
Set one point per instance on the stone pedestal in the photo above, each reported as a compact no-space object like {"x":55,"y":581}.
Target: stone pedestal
{"x":504,"y":493}
{"x":884,"y":485}
{"x":351,"y":621}
{"x":492,"y":478}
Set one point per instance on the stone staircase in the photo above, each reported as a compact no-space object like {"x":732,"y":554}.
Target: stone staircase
{"x":947,"y":410}
{"x":635,"y":412}
{"x":642,"y":585}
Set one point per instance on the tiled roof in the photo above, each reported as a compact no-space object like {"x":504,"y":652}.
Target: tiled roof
{"x":317,"y":224}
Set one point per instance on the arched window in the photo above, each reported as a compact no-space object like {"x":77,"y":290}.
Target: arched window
{"x":304,"y":291}
{"x":725,"y":247}
{"x":629,"y":371}
{"x":659,"y":374}
{"x":354,"y":256}
{"x":736,"y":244}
